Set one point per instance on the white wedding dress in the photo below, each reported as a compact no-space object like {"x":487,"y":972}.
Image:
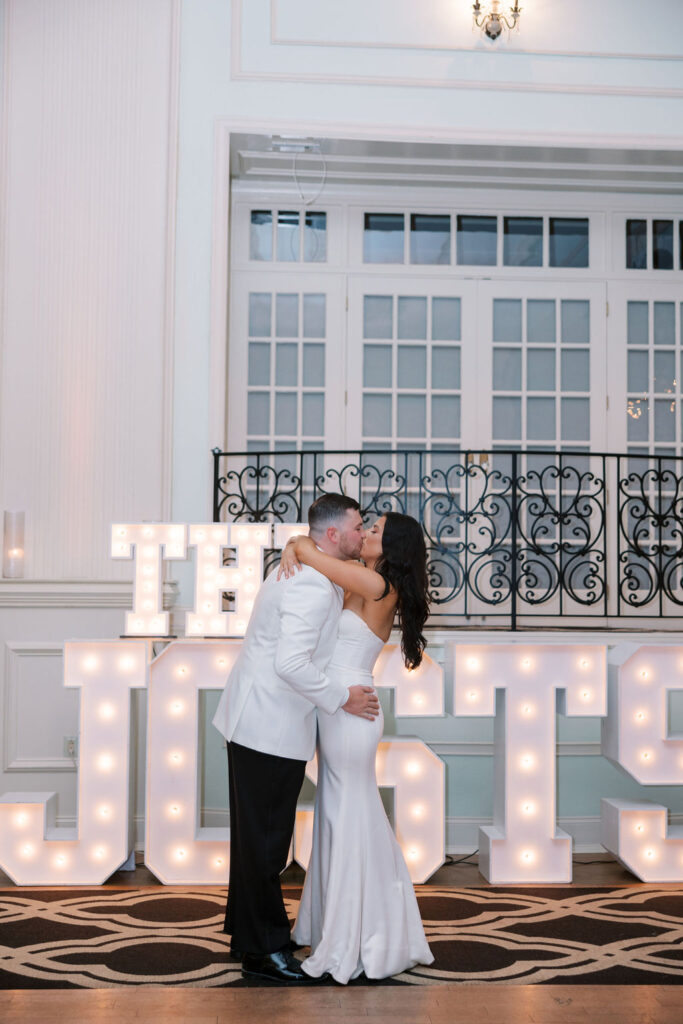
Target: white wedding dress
{"x":358,"y":908}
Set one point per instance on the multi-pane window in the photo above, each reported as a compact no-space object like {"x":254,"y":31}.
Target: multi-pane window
{"x":411,"y":370}
{"x":527,"y":241}
{"x":654,"y":244}
{"x":653,"y":408}
{"x":288,"y":236}
{"x":286,"y":370}
{"x":541,"y":373}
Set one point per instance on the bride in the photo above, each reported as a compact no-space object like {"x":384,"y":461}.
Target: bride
{"x":358,"y":909}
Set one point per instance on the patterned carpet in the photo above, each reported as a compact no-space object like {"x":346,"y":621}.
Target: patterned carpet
{"x":100,"y":938}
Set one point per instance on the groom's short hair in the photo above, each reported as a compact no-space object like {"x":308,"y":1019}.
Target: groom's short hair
{"x":328,"y":510}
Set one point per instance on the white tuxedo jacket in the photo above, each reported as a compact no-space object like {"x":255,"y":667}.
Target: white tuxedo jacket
{"x":270,"y":699}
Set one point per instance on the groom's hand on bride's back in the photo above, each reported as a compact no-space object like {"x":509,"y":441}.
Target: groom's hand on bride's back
{"x":362,"y":702}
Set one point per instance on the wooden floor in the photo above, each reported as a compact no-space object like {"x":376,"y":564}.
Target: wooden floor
{"x":449,"y":1004}
{"x":444,"y":1004}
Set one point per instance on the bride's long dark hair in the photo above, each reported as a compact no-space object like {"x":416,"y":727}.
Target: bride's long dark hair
{"x":403,"y":566}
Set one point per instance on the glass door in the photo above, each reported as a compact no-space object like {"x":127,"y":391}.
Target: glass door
{"x":285,"y":382}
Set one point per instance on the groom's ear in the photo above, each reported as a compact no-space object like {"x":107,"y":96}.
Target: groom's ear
{"x":332,"y":534}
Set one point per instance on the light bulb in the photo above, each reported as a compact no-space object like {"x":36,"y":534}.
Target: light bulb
{"x":640,"y":716}
{"x":107,"y":711}
{"x":528,"y":856}
{"x":527,"y":709}
{"x":528,"y":808}
{"x":646,"y":755}
{"x":412,"y":768}
{"x":99,"y":852}
{"x":105,"y":762}
{"x":126,"y":663}
{"x":104,"y":811}
{"x":174,"y":810}
{"x":472,"y":695}
{"x":473,"y":664}
{"x":176,"y":707}
{"x":27,"y":850}
{"x":585,"y":663}
{"x":176,"y":758}
{"x":644,"y":674}
{"x":181,"y":854}
{"x":640,"y":828}
{"x":219,"y":862}
{"x":527,"y":761}
{"x":20,"y":819}
{"x":526,"y":662}
{"x":417,"y":811}
{"x":586,"y":695}
{"x":649,"y":854}
{"x":90,"y":663}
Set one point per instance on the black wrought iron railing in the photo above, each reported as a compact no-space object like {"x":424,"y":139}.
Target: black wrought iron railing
{"x":529,"y":536}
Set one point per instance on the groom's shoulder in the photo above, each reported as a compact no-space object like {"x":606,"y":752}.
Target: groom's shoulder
{"x":307,"y":578}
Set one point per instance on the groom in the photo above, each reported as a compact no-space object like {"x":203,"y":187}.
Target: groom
{"x":268,"y":715}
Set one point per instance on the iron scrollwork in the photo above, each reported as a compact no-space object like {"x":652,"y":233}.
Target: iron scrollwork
{"x":512,"y":533}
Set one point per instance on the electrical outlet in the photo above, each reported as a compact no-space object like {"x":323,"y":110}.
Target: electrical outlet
{"x":71,"y":746}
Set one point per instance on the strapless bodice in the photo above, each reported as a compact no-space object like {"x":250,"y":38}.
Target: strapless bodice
{"x":357,"y":646}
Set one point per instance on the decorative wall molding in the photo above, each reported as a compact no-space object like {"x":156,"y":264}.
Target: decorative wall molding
{"x":566,"y":85}
{"x":31,"y":593}
{"x":12,"y":760}
{"x":515,"y":45}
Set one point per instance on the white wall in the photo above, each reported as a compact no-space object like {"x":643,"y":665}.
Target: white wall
{"x":87,"y":206}
{"x":87,"y":133}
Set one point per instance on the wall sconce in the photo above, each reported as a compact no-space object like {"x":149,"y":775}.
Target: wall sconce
{"x":13,"y":545}
{"x":492,"y":21}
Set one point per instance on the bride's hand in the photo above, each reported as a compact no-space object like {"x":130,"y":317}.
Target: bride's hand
{"x":289,"y":563}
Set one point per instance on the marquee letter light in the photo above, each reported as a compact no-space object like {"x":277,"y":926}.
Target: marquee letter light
{"x":212,"y":577}
{"x":524,"y":844}
{"x":636,"y":737}
{"x":147,"y":618}
{"x":418,"y":691}
{"x":177,"y":849}
{"x":417,"y":777}
{"x":32,"y":850}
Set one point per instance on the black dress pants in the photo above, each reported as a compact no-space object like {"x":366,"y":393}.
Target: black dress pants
{"x":263,"y":793}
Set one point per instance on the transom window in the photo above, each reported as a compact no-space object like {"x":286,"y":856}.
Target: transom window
{"x":480,"y":240}
{"x":288,"y":236}
{"x":654,"y":244}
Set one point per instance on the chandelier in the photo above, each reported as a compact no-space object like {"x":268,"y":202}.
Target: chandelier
{"x":489,"y":17}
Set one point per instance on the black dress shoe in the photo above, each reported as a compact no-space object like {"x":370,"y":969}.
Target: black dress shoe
{"x":238,"y":954}
{"x":281,"y":967}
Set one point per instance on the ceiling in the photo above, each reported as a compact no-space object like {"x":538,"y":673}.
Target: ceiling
{"x":362,"y":162}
